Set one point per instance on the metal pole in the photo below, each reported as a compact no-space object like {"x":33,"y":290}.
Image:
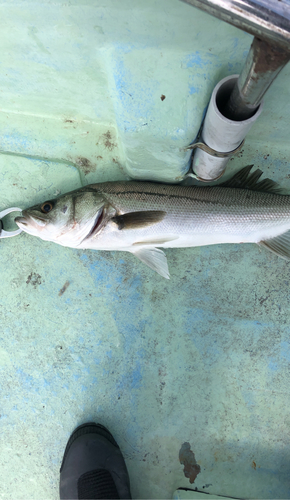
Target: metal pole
{"x":264,"y":62}
{"x":268,"y":20}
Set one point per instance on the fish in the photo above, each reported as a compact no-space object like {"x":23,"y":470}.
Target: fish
{"x":143,"y":217}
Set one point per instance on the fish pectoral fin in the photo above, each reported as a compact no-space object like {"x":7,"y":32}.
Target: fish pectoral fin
{"x":155,"y":259}
{"x":137,"y":220}
{"x":280,"y":245}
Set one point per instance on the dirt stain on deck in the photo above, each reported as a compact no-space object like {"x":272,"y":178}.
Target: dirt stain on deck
{"x":34,"y":279}
{"x":63,"y":289}
{"x":108,"y":141}
{"x":187,"y":458}
{"x":86,"y":165}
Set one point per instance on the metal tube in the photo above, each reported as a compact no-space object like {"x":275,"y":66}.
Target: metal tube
{"x":264,"y":62}
{"x":265,"y":19}
{"x":220,"y":133}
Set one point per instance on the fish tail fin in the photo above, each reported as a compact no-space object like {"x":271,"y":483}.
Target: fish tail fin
{"x":280,"y":245}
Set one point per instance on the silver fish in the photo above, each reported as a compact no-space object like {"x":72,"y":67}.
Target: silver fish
{"x":141,"y":217}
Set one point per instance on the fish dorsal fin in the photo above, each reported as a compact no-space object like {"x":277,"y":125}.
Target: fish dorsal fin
{"x":280,"y":245}
{"x":155,"y":259}
{"x":137,"y":220}
{"x":246,"y":180}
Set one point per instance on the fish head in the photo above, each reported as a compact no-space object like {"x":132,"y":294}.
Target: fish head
{"x":66,"y":220}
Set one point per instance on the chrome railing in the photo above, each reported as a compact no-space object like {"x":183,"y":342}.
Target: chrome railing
{"x":269,"y":22}
{"x":265,"y":19}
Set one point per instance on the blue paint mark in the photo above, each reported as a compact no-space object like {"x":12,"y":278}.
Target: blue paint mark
{"x":198,"y":61}
{"x":236,"y":42}
{"x":273,"y":365}
{"x":178,"y":134}
{"x":193,"y":90}
{"x":136,"y":376}
{"x":285,"y":350}
{"x":135,"y":98}
{"x":25,"y":379}
{"x":195,"y":60}
{"x":276,"y":363}
{"x":130,"y":380}
{"x":132,"y":321}
{"x":195,"y":319}
{"x":98,"y":268}
{"x":126,"y":48}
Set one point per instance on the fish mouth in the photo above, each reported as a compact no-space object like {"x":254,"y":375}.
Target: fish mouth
{"x":26,"y":220}
{"x":21,"y":221}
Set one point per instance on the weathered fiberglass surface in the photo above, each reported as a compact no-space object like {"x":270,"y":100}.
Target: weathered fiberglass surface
{"x":94,"y":91}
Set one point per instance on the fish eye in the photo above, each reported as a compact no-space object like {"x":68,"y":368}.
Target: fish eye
{"x":46,"y":207}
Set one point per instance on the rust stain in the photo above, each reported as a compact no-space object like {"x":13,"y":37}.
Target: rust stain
{"x":108,"y":141}
{"x":63,"y":289}
{"x":162,"y":97}
{"x":254,"y":465}
{"x":187,"y":458}
{"x":267,"y":57}
{"x":86,"y":164}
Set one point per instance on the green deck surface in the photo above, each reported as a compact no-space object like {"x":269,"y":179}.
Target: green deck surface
{"x":202,"y":358}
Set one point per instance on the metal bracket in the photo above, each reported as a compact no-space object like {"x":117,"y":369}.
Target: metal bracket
{"x":213,"y":152}
{"x":8,"y":234}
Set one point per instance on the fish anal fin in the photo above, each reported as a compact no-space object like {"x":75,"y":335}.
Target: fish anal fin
{"x":280,"y":245}
{"x":138,"y":220}
{"x":155,"y":259}
{"x":244,"y":179}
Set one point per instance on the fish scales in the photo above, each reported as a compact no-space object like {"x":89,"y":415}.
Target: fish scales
{"x":206,"y":204}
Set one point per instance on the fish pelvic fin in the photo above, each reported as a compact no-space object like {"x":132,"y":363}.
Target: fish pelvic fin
{"x":138,"y":220}
{"x":244,"y":179}
{"x":280,"y":245}
{"x":155,"y":259}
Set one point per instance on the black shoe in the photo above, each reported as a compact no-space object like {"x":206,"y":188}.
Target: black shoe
{"x":93,"y":466}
